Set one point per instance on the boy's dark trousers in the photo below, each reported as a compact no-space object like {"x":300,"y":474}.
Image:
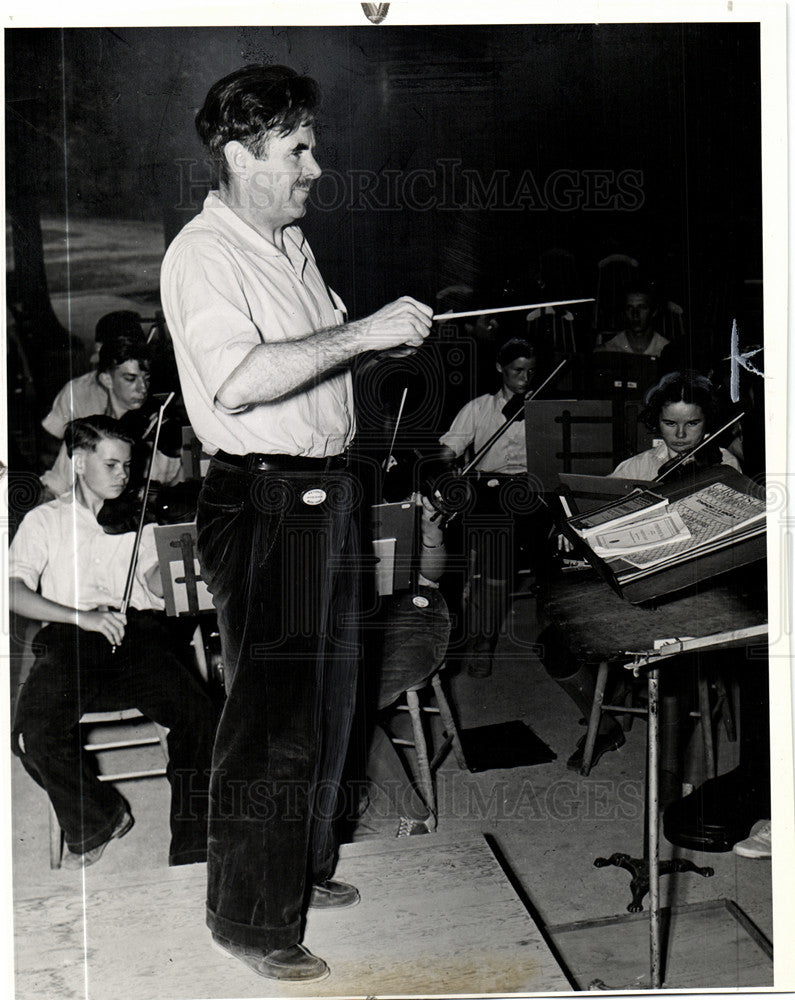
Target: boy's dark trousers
{"x":76,"y":672}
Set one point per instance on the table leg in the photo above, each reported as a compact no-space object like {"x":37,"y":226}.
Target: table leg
{"x":653,"y":834}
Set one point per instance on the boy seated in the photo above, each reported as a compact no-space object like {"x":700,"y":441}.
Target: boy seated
{"x":123,"y":374}
{"x":66,"y":572}
{"x":87,"y":394}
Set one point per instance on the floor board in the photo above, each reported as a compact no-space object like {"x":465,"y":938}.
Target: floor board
{"x":437,"y":916}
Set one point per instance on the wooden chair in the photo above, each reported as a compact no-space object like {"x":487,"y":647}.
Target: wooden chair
{"x":708,"y":710}
{"x":157,"y":735}
{"x":555,"y":325}
{"x":558,"y":275}
{"x":671,"y":322}
{"x":426,"y":765}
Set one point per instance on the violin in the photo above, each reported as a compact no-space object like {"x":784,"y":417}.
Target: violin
{"x":693,"y":460}
{"x":164,"y":505}
{"x":682,"y":467}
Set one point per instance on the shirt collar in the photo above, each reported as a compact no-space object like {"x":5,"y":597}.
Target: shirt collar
{"x":242,"y":235}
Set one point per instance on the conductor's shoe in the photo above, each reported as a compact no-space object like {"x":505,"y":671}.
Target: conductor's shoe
{"x":331,"y":893}
{"x":73,"y":860}
{"x":604,"y":743}
{"x":294,"y":964}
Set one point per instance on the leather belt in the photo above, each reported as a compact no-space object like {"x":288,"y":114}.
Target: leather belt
{"x":282,"y":463}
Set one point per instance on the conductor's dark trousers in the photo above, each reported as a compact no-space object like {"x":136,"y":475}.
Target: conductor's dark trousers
{"x":278,"y":551}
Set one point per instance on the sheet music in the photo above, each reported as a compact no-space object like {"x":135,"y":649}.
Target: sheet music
{"x":710,"y":514}
{"x":653,"y":531}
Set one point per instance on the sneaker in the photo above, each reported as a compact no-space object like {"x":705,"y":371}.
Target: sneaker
{"x":413,"y":827}
{"x":758,"y":842}
{"x":73,"y":860}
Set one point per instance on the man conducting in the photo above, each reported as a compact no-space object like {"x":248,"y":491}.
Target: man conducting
{"x":263,"y":350}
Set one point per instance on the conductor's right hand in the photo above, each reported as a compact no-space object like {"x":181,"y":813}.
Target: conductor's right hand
{"x":404,"y":323}
{"x":108,"y":623}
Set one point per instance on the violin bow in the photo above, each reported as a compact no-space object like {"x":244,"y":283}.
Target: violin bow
{"x":397,"y":424}
{"x":706,"y":440}
{"x":125,"y":602}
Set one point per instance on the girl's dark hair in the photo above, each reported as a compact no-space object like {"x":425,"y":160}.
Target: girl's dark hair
{"x":117,"y":350}
{"x":680,"y":387}
{"x":250,"y":103}
{"x":87,"y":432}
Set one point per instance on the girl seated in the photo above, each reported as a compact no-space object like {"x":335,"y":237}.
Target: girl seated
{"x":683,"y":409}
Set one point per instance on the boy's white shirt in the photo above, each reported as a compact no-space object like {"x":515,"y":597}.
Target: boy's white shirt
{"x":61,"y":550}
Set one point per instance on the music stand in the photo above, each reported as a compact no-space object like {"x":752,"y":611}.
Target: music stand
{"x":195,"y":459}
{"x":569,"y":435}
{"x":184,"y":591}
{"x":393,"y":533}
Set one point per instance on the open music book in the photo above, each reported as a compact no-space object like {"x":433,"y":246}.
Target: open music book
{"x":708,"y":527}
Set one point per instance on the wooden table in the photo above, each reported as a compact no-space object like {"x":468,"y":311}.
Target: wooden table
{"x":601,"y":627}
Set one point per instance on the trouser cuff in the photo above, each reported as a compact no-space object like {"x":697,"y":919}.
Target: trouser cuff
{"x":266,"y":939}
{"x":188,"y":857}
{"x":101,"y":837}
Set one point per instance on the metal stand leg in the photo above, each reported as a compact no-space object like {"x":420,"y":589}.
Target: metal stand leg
{"x":646,"y":871}
{"x":653,"y":810}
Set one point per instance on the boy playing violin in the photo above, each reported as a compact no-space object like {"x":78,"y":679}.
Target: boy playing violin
{"x":66,"y":572}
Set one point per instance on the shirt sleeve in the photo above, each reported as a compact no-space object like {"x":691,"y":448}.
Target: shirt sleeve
{"x":206,"y":292}
{"x":727,"y":458}
{"x":29,"y":555}
{"x":59,"y":478}
{"x":59,"y":416}
{"x":462,"y":430}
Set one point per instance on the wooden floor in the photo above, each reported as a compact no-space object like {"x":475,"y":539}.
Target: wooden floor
{"x":709,"y":946}
{"x":437,"y":916}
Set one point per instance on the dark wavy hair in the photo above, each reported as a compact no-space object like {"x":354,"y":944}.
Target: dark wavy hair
{"x":516,"y":347}
{"x":122,"y":322}
{"x":249,"y":104}
{"x":87,"y":432}
{"x":680,"y":387}
{"x":117,"y":350}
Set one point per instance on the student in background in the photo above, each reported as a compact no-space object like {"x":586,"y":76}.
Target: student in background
{"x":86,"y":394}
{"x":123,"y":374}
{"x":638,"y":335}
{"x":503,"y":507}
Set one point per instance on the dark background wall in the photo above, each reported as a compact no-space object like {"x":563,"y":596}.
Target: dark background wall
{"x":451,"y":153}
